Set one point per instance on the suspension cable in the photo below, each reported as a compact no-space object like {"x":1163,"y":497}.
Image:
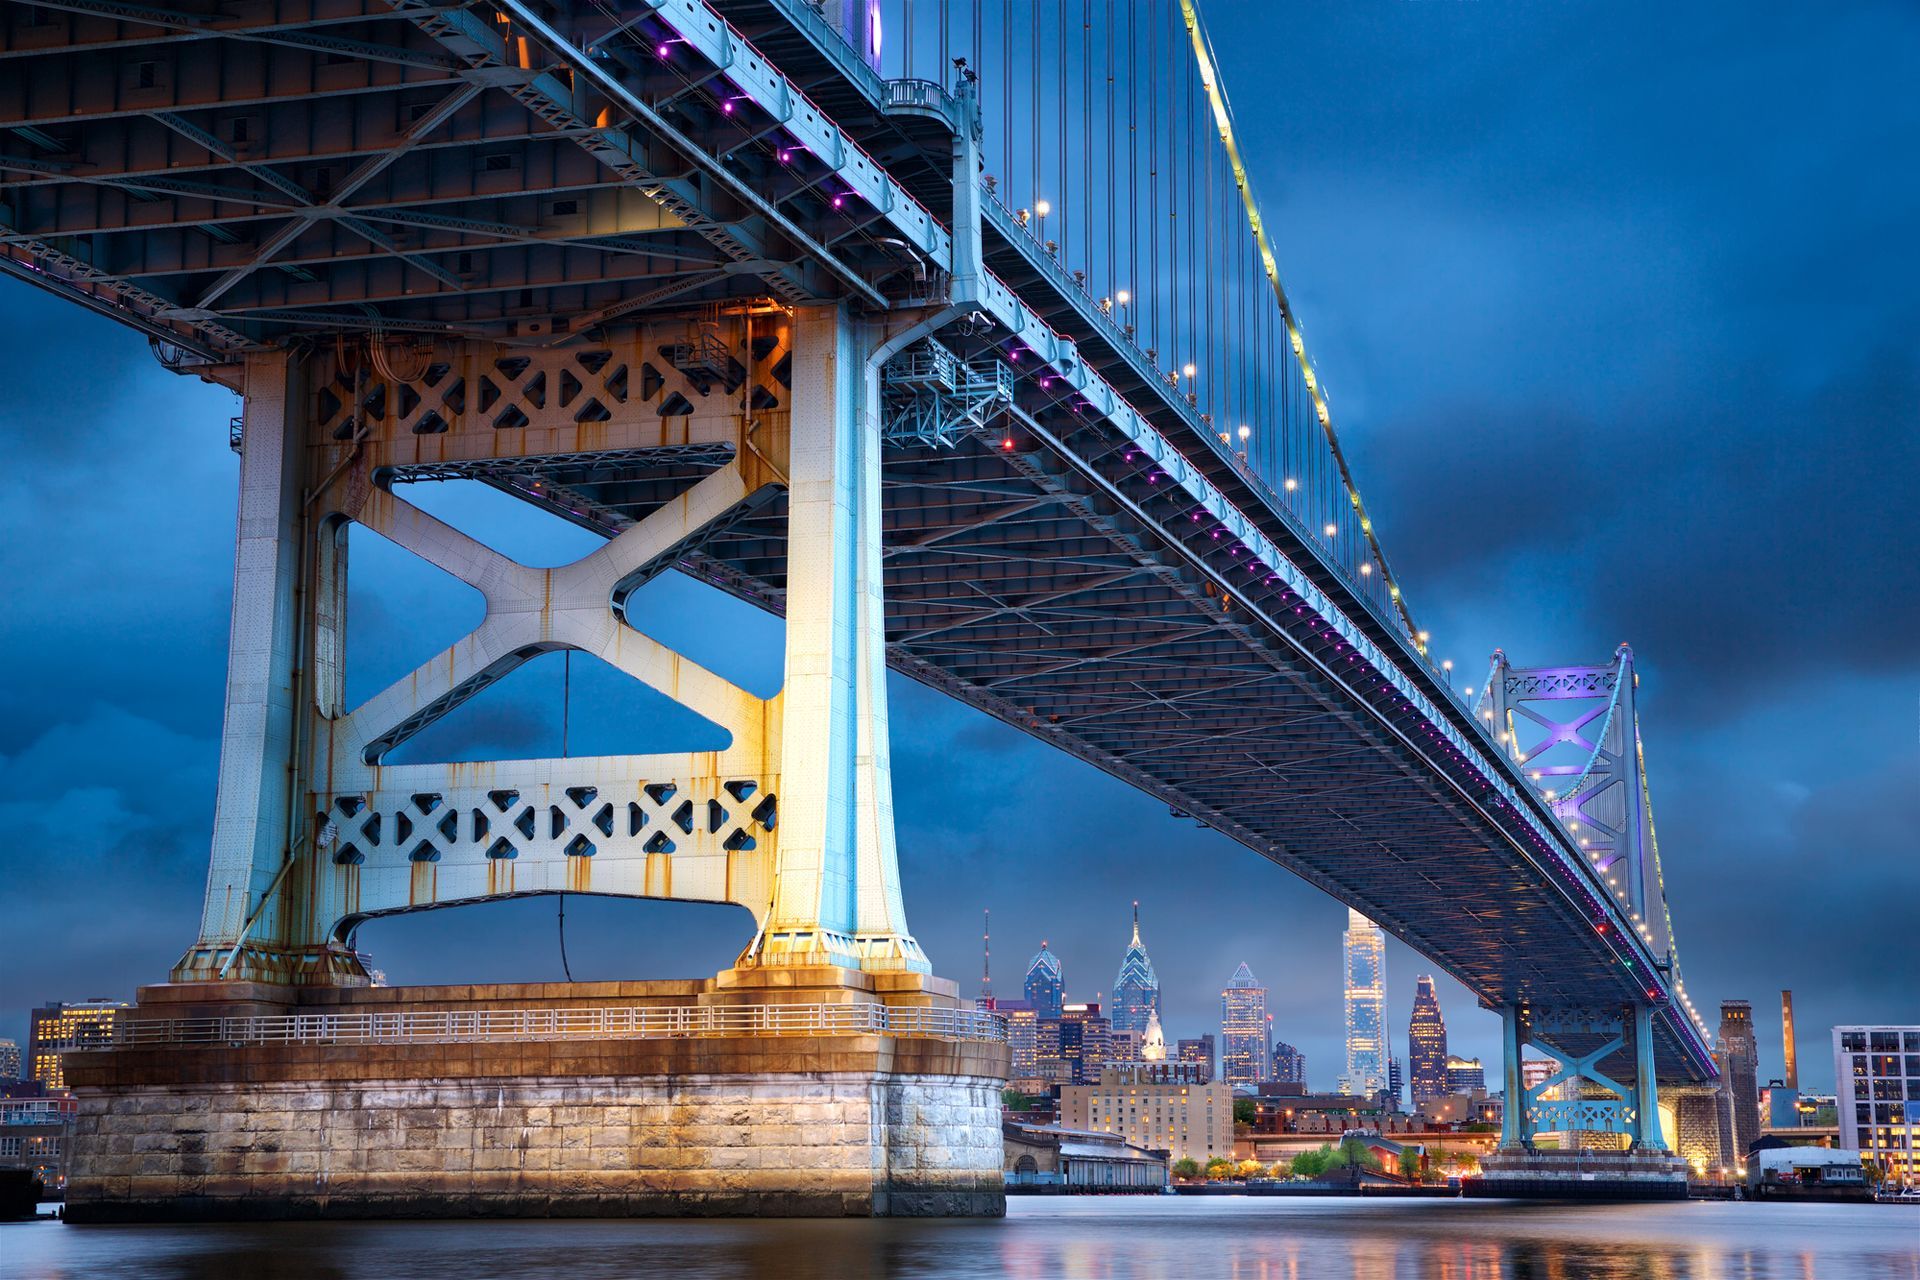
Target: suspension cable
{"x":1223,"y":120}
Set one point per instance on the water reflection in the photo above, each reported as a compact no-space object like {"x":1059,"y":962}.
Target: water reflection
{"x":1114,"y":1239}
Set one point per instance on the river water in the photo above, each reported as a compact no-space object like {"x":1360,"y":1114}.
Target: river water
{"x":1102,"y":1239}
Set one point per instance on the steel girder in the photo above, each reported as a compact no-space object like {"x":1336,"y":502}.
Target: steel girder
{"x":1057,"y":587}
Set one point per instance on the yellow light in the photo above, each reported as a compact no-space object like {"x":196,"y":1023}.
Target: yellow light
{"x":1366,"y":570}
{"x":1123,"y":297}
{"x":1424,"y":637}
{"x":1331,"y":530}
{"x":1245,"y":431}
{"x":1042,"y":208}
{"x":1188,"y":370}
{"x":1447,"y":665}
{"x":1291,"y":484}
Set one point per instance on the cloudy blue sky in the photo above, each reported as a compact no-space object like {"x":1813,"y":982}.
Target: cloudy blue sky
{"x":1621,"y":310}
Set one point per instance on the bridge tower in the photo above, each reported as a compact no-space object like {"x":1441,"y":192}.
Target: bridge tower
{"x":1574,"y":733}
{"x":759,"y":420}
{"x":316,"y":829}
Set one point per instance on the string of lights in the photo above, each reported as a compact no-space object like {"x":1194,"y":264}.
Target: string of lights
{"x":1144,"y":226}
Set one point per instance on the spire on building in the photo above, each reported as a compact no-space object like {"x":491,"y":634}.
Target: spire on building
{"x":1136,"y":989}
{"x":986,"y":958}
{"x":1154,"y":1047}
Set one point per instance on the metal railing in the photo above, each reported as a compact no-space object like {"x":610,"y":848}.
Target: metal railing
{"x":456,"y":1026}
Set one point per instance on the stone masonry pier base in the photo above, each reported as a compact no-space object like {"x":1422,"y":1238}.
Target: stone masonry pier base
{"x":516,"y":1113}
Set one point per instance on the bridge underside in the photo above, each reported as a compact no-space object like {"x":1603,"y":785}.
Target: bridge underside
{"x":1016,"y":583}
{"x":234,"y":178}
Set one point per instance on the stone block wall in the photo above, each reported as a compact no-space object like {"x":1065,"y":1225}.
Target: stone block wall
{"x":830,"y":1143}
{"x":767,"y":1125}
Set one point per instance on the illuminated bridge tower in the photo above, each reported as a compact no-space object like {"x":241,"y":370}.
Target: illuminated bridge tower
{"x":756,"y":420}
{"x":1574,"y":733}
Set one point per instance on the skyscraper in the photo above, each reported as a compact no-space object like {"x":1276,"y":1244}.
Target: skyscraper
{"x":1136,"y":991}
{"x":1427,"y":1043}
{"x":1366,"y":970}
{"x":1243,"y":1030}
{"x":1083,"y":1039}
{"x":9,"y":1060}
{"x":1045,"y":992}
{"x":1289,"y":1063}
{"x":1023,"y":1039}
{"x":1739,"y":1073}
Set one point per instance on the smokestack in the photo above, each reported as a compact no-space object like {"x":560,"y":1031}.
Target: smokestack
{"x":1792,"y":1080}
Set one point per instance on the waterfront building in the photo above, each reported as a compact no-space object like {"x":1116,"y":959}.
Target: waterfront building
{"x":1366,"y":994}
{"x":1876,"y":1072}
{"x":1289,"y":1064}
{"x":1464,"y":1075}
{"x":1198,"y":1049}
{"x":36,"y":1134}
{"x":1243,"y":1029}
{"x":1044,"y":989}
{"x":1136,"y":989}
{"x":9,"y":1060}
{"x":59,"y":1023}
{"x":1427,"y":1043}
{"x":1079,"y":1160}
{"x":1739,"y":1074}
{"x":1165,"y":1106}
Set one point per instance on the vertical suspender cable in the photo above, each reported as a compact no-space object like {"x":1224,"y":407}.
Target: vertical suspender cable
{"x":1153,"y":291}
{"x":1060,"y":203}
{"x":1113,"y":249}
{"x":1133,"y":154}
{"x":1342,"y":475}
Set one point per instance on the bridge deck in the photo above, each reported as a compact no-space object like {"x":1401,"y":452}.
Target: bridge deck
{"x":235,"y":175}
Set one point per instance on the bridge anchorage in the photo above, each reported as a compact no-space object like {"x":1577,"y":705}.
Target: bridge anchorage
{"x":875,"y":352}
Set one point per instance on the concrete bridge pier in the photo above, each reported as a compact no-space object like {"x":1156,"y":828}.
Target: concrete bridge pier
{"x":1605,"y":1138}
{"x":827,"y":1072}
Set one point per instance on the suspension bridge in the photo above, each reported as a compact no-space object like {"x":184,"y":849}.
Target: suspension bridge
{"x":952,"y":333}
